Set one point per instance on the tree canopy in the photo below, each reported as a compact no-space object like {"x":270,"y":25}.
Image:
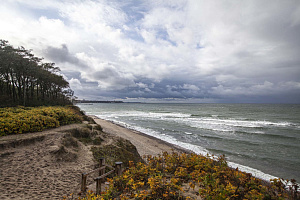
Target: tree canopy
{"x":26,"y":80}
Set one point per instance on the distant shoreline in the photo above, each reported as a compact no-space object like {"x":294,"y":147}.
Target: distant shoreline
{"x":91,"y":101}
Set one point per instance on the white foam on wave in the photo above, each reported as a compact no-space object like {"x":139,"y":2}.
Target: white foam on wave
{"x":257,"y":132}
{"x":220,"y":126}
{"x":237,"y":123}
{"x":170,"y":139}
{"x":255,"y":172}
{"x":154,"y":115}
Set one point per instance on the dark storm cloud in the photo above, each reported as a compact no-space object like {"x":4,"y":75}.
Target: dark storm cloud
{"x":166,"y":89}
{"x":62,"y":55}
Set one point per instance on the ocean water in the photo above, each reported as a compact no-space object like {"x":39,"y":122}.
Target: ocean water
{"x":263,"y":139}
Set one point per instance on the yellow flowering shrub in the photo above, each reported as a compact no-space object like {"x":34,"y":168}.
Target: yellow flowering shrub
{"x":19,"y":120}
{"x":167,"y":176}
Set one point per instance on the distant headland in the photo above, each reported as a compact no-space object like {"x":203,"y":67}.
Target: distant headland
{"x":92,"y":101}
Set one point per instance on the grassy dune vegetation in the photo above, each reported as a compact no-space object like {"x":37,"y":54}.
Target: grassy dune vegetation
{"x":188,"y":176}
{"x":18,"y":120}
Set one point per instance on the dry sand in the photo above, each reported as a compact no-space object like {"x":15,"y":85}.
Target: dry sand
{"x":28,"y":169}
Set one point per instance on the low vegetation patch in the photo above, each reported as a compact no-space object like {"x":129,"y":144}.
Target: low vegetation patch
{"x":70,"y":141}
{"x":18,"y":120}
{"x":120,"y":150}
{"x":88,"y":134}
{"x":191,"y":176}
{"x":64,"y":155}
{"x":113,"y":149}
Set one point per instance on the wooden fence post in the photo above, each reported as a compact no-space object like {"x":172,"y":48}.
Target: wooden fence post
{"x":101,"y":164}
{"x":83,"y":182}
{"x":101,"y":172}
{"x":98,"y":185}
{"x":118,"y":168}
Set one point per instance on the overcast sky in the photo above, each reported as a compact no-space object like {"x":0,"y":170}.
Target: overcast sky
{"x":165,"y":50}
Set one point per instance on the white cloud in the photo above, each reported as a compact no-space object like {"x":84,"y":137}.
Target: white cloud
{"x":190,"y":87}
{"x":75,"y":84}
{"x":265,"y":89}
{"x":92,"y":13}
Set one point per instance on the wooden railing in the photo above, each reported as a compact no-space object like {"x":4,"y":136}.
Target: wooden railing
{"x":102,"y":166}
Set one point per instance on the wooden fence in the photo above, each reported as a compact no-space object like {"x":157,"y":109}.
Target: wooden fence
{"x":102,"y":166}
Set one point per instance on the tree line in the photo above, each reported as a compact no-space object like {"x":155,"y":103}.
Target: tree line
{"x":26,"y":80}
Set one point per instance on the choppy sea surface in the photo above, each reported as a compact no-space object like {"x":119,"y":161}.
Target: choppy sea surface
{"x":263,"y":139}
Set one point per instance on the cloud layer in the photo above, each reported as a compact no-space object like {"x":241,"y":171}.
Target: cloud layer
{"x":186,"y":50}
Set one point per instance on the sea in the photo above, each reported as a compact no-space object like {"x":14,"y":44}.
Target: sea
{"x":262,"y":139}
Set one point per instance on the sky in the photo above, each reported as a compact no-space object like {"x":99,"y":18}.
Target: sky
{"x":187,"y":51}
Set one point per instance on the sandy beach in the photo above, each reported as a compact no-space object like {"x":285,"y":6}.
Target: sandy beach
{"x":29,"y":169}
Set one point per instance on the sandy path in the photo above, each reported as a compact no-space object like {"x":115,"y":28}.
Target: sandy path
{"x":146,"y":145}
{"x":31,"y":172}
